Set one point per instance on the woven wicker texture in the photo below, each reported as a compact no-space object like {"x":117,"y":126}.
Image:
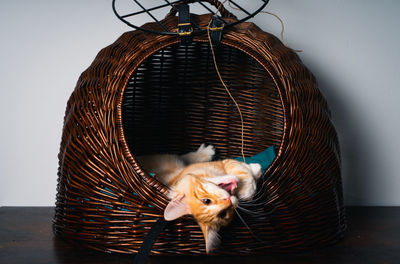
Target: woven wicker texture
{"x":145,"y":94}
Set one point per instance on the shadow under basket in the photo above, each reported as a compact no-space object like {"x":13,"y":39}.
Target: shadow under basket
{"x":148,"y":94}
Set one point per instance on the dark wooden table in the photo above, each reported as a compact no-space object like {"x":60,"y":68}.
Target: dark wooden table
{"x":26,"y":236}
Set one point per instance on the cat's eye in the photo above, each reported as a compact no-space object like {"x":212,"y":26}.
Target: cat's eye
{"x":206,"y":201}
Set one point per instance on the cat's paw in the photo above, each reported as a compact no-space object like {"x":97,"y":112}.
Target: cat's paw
{"x":255,"y":169}
{"x":205,"y":153}
{"x":247,"y":189}
{"x":202,"y":154}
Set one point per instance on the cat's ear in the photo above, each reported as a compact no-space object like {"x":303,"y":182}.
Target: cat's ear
{"x":176,"y":208}
{"x":210,"y":236}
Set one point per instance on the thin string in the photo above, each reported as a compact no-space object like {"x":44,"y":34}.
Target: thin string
{"x":223,"y":83}
{"x":277,"y":17}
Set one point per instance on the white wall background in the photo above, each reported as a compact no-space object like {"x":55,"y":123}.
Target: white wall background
{"x":352,"y":46}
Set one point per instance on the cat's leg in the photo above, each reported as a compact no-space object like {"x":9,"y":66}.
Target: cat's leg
{"x":247,"y":174}
{"x":202,"y":154}
{"x":163,"y":166}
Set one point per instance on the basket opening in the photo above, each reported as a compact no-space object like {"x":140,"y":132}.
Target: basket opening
{"x":174,"y":101}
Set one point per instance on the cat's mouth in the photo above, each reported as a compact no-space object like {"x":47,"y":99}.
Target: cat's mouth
{"x":229,"y":186}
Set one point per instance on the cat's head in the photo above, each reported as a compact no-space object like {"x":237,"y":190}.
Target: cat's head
{"x":209,"y":200}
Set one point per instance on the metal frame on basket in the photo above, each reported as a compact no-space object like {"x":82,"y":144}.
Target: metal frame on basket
{"x":173,"y":4}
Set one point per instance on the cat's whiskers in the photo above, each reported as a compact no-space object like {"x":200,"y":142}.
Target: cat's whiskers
{"x":261,"y":195}
{"x":252,"y":213}
{"x":248,"y":228}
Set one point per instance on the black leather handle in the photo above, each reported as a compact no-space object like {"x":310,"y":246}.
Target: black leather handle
{"x":223,"y":11}
{"x":185,"y":28}
{"x":149,"y":241}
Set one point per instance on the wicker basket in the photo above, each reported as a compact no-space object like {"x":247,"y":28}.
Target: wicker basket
{"x":146,"y":93}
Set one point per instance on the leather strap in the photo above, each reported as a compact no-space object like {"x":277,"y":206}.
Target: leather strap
{"x":216,"y":28}
{"x":185,"y":28}
{"x":149,"y":241}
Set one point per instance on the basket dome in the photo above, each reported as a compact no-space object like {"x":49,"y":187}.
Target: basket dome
{"x":146,"y":94}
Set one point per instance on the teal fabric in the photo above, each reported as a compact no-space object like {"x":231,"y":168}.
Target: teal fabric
{"x":264,"y":158}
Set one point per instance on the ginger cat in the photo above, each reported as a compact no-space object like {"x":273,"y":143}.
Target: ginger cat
{"x":207,"y":190}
